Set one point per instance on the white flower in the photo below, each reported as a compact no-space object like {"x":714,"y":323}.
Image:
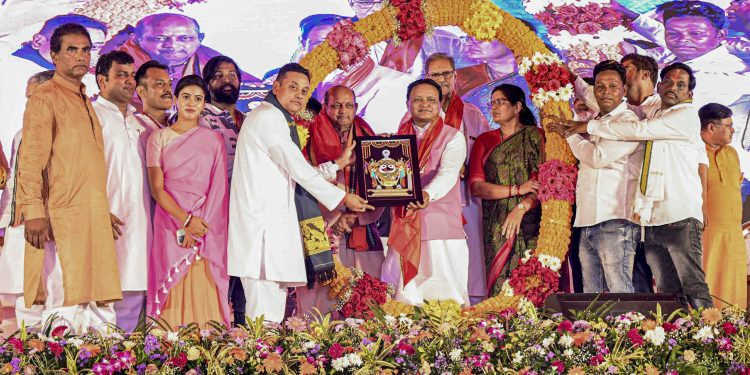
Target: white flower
{"x":656,"y":335}
{"x":173,"y":336}
{"x":550,"y":261}
{"x":75,"y":342}
{"x":704,"y":333}
{"x":568,"y":352}
{"x":548,"y":341}
{"x":354,"y":359}
{"x":403,"y":319}
{"x":565,"y":341}
{"x":339,"y":364}
{"x":539,"y":99}
{"x":507,"y":290}
{"x":538,"y":58}
{"x":518,"y":357}
{"x":524,"y":66}
{"x":566,"y":92}
{"x":390,"y":319}
{"x":455,"y":355}
{"x":527,"y":255}
{"x":309,"y":344}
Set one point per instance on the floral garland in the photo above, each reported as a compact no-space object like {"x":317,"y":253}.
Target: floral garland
{"x":348,"y":43}
{"x":558,"y":181}
{"x":401,"y":20}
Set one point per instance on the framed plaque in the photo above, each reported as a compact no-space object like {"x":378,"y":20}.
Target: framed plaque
{"x":388,"y":170}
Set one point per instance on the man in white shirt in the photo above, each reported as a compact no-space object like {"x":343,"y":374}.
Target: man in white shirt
{"x":428,"y":257}
{"x":607,"y":178}
{"x":126,"y":189}
{"x":274,"y":230}
{"x":641,"y":73}
{"x":669,"y":200}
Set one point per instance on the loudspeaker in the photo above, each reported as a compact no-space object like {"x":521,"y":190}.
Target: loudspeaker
{"x":644,"y":303}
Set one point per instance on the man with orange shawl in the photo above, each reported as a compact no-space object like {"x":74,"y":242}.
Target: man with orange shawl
{"x":428,"y":257}
{"x":354,"y":233}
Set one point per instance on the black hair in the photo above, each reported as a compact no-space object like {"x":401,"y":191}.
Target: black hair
{"x":292,"y":67}
{"x":53,"y":23}
{"x":424,"y":81}
{"x":515,"y":95}
{"x":713,"y":112}
{"x":588,"y":80}
{"x":643,"y":62}
{"x":104,"y":64}
{"x":610,"y":65}
{"x":679,"y":65}
{"x":55,"y":42}
{"x":314,"y":106}
{"x":193,"y":80}
{"x":213,"y":65}
{"x":42,"y":77}
{"x":143,"y":70}
{"x":709,"y":11}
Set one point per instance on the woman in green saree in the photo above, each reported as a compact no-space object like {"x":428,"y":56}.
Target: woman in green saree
{"x":503,"y":165}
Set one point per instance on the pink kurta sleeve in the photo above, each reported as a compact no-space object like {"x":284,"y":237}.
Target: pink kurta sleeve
{"x":153,"y":149}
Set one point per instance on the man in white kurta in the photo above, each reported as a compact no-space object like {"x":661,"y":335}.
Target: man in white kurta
{"x":265,"y":245}
{"x":127,"y":192}
{"x":443,"y":268}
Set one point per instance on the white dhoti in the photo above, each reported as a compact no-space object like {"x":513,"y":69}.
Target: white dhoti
{"x":11,"y":269}
{"x":370,"y":262}
{"x":264,"y":298}
{"x":443,"y":273}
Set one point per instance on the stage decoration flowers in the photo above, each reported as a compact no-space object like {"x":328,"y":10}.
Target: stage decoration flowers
{"x":358,"y":292}
{"x":484,"y":20}
{"x":558,"y":181}
{"x":436,"y":338}
{"x":537,"y":6}
{"x":402,"y":20}
{"x":534,"y":280}
{"x":547,"y":78}
{"x":348,"y":43}
{"x":410,"y":19}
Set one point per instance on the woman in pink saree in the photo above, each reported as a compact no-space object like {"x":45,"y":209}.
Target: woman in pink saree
{"x":187,"y":275}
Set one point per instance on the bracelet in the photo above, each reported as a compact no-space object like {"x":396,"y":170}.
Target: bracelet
{"x":187,"y":221}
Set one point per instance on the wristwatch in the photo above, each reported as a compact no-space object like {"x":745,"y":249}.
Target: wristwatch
{"x":521,"y":206}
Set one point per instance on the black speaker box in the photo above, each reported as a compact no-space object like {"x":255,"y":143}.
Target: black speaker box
{"x":644,"y":303}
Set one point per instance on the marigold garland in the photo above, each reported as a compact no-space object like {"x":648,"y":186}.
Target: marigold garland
{"x":484,"y":20}
{"x":405,"y":19}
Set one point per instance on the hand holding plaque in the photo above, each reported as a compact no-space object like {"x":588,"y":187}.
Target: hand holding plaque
{"x":387,"y":170}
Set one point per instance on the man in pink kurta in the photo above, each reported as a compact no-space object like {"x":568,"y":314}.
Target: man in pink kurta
{"x":471,"y":122}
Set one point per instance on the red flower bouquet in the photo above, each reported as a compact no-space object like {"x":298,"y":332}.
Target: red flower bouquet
{"x":534,"y":281}
{"x":350,"y":45}
{"x":588,"y":19}
{"x":363,"y":290}
{"x":550,"y":77}
{"x":411,"y":19}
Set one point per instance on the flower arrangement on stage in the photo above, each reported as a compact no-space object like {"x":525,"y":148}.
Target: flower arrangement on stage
{"x":402,"y":20}
{"x":356,"y":292}
{"x":436,"y":338}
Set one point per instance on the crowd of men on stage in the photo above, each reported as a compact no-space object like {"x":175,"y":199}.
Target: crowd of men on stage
{"x":113,"y":214}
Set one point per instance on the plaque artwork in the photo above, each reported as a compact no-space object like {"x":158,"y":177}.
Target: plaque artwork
{"x":388,"y":170}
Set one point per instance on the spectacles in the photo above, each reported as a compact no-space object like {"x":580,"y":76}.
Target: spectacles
{"x":338,"y":106}
{"x":443,"y":75}
{"x":497,"y":102}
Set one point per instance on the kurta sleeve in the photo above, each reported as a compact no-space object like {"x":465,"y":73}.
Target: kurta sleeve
{"x":288,"y":157}
{"x":328,"y":170}
{"x":599,"y":154}
{"x":451,"y":162}
{"x":153,"y":149}
{"x":672,"y":126}
{"x":33,"y":156}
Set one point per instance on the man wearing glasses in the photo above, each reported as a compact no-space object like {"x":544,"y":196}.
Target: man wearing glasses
{"x":468,"y":119}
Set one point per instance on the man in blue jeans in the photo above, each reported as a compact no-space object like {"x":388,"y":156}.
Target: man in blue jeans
{"x":607,"y":178}
{"x":671,"y":188}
